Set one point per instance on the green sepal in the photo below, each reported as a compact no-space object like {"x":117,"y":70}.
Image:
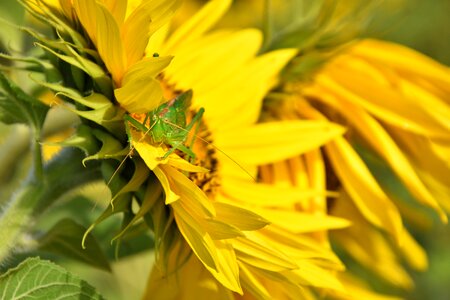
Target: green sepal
{"x":153,"y":193}
{"x":78,"y":77}
{"x":64,"y":239}
{"x":52,"y":74}
{"x":12,"y":11}
{"x":111,"y":147}
{"x":101,"y":117}
{"x":83,"y":139}
{"x":18,"y":107}
{"x":140,"y":175}
{"x":58,"y":23}
{"x":167,"y":239}
{"x":40,"y":279}
{"x":123,"y":205}
{"x":100,"y":77}
{"x":94,"y":101}
{"x":118,"y":185}
{"x":103,"y":112}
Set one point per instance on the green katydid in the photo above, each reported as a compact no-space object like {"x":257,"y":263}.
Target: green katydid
{"x":168,"y":126}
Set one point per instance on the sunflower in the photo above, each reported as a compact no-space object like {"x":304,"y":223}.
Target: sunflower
{"x":393,"y":102}
{"x":207,"y":207}
{"x":195,"y":204}
{"x":115,"y":28}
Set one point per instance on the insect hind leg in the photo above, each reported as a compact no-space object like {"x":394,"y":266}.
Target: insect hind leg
{"x":181,"y":147}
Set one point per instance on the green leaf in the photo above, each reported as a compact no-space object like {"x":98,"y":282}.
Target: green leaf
{"x":140,"y":175}
{"x":65,"y":239}
{"x":122,"y":206}
{"x":39,"y":279}
{"x":18,"y":107}
{"x":111,"y":147}
{"x":100,"y":77}
{"x":152,"y":195}
{"x":11,"y":11}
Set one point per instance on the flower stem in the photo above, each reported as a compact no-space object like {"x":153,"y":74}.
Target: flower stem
{"x":62,"y":174}
{"x":37,"y":161}
{"x":16,"y":216}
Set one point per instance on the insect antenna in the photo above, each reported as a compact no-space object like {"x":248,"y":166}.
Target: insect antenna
{"x":129,"y":152}
{"x":215,"y":147}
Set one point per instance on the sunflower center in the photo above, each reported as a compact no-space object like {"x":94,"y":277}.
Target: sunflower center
{"x":205,"y":156}
{"x":200,"y":141}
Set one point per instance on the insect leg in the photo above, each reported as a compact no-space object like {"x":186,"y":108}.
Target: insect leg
{"x":135,"y":123}
{"x":180,"y":146}
{"x":196,"y":120}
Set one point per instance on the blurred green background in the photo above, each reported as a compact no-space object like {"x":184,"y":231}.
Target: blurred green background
{"x":422,"y":25}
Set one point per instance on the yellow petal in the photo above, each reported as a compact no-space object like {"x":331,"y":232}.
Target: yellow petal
{"x":301,"y":222}
{"x":199,"y":240}
{"x":316,"y":171}
{"x":269,"y":142}
{"x":118,"y":9}
{"x":414,"y":253}
{"x":239,"y":217}
{"x":431,"y":162}
{"x":188,"y":281}
{"x":217,"y":256}
{"x":213,"y":50}
{"x":140,"y":96}
{"x":356,"y":289}
{"x":257,"y":254}
{"x":227,"y":268}
{"x":191,"y":194}
{"x":264,"y":195}
{"x":403,"y":58}
{"x":301,"y":247}
{"x":363,"y":188}
{"x":108,"y":37}
{"x":251,"y":283}
{"x":375,"y":253}
{"x":146,"y":69}
{"x":140,"y":25}
{"x":386,"y":104}
{"x":242,"y":94}
{"x":428,"y":102}
{"x":310,"y":274}
{"x":182,"y":164}
{"x":150,"y":154}
{"x":156,"y":41}
{"x":219,"y":230}
{"x":135,"y":37}
{"x":381,"y":141}
{"x":198,"y":24}
{"x":86,"y":12}
{"x":171,"y":196}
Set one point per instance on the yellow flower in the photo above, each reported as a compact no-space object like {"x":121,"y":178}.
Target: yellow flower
{"x":229,"y":81}
{"x":208,"y":212}
{"x":120,"y":31}
{"x":394,"y":103}
{"x":395,"y":100}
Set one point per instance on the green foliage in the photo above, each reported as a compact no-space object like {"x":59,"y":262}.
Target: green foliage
{"x":422,"y":25}
{"x":13,"y":12}
{"x":16,"y":106}
{"x":40,"y":279}
{"x":64,"y":239}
